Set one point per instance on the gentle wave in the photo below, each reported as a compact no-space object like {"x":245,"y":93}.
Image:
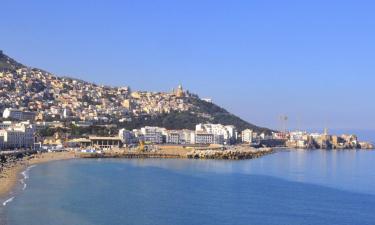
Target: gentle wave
{"x":25,"y":175}
{"x":8,"y":201}
{"x":24,"y":184}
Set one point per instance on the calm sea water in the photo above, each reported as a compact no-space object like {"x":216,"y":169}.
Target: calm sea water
{"x":288,"y":187}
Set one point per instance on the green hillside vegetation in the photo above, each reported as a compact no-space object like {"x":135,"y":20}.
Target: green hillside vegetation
{"x":188,"y":120}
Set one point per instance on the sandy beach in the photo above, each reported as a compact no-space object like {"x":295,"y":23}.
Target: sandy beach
{"x":9,"y":175}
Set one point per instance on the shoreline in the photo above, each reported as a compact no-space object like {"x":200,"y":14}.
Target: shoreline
{"x":10,"y":175}
{"x":11,"y":172}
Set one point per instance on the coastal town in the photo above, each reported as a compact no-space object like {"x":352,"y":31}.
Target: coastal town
{"x":53,"y":98}
{"x":41,"y":111}
{"x":22,"y":143}
{"x":187,"y":112}
{"x":44,"y":117}
{"x":19,"y":130}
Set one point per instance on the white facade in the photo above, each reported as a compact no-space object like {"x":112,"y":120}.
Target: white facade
{"x":174,"y":137}
{"x":152,"y":135}
{"x":180,"y":137}
{"x":188,"y":136}
{"x":18,"y":136}
{"x":299,"y":135}
{"x":247,"y":136}
{"x":222,"y":134}
{"x":204,"y":138}
{"x":127,"y":137}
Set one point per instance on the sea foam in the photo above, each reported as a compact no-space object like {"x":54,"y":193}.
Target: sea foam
{"x":8,"y":201}
{"x":25,"y":175}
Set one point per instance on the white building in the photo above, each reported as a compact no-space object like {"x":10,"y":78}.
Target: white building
{"x":188,"y":136}
{"x":209,"y":100}
{"x":153,"y":135}
{"x":232,"y":131}
{"x":180,"y":137}
{"x":127,"y":137}
{"x":264,"y":136}
{"x":299,"y":135}
{"x":18,"y":115}
{"x":18,"y":136}
{"x":247,"y":136}
{"x":173,"y":137}
{"x":204,"y":138}
{"x":222,"y":134}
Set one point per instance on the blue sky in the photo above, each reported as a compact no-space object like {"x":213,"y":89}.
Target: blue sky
{"x":312,"y":60}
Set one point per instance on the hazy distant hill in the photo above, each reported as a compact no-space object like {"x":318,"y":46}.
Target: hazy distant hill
{"x":40,"y":91}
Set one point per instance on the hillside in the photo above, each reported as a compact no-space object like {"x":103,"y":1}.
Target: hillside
{"x":67,"y":99}
{"x":7,"y":63}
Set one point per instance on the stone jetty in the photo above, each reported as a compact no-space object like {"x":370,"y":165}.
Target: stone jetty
{"x":232,"y":154}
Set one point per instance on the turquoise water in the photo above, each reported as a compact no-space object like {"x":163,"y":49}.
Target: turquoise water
{"x":288,"y":187}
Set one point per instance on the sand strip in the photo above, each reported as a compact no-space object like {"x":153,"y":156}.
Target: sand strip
{"x":10,"y":173}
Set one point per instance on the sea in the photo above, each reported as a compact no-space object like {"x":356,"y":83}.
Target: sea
{"x":285,"y":188}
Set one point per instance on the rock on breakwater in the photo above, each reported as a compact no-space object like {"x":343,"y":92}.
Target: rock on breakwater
{"x":234,"y":154}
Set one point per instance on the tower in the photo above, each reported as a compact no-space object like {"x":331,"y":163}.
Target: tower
{"x":180,"y":91}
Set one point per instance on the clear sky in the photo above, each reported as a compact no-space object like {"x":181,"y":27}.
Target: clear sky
{"x":313,"y":60}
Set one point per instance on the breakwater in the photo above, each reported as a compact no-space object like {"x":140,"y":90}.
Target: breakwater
{"x":133,"y":155}
{"x":236,"y":154}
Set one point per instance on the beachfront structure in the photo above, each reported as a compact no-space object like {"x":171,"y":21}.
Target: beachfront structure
{"x":18,"y":115}
{"x":173,"y":137}
{"x":105,"y":142}
{"x":222,"y":134}
{"x":152,"y":135}
{"x":127,"y":137}
{"x":247,"y":136}
{"x":180,"y":137}
{"x":19,"y":135}
{"x":204,"y":138}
